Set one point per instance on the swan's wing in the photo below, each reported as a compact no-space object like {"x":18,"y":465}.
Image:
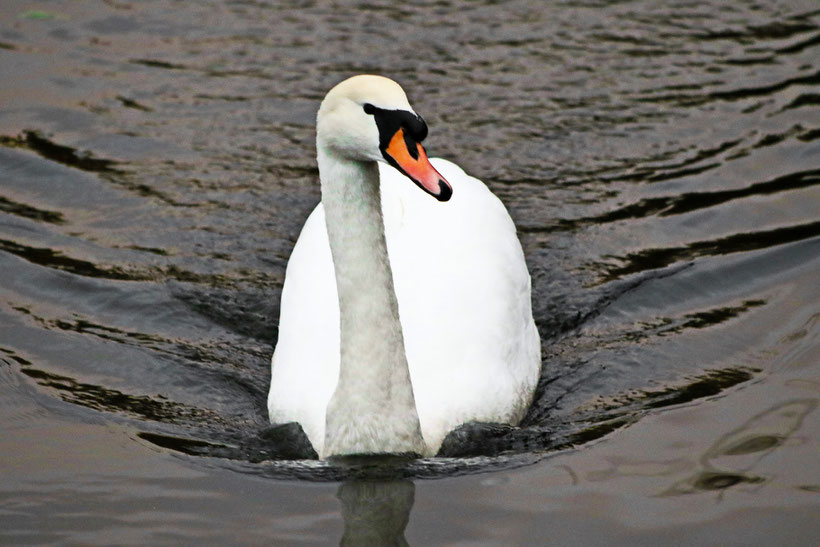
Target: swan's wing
{"x":305,"y":364}
{"x":464,"y":300}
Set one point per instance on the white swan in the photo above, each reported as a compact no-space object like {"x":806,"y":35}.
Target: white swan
{"x":440,"y":333}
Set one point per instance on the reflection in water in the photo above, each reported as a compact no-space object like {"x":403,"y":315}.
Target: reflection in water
{"x":728,"y":460}
{"x":376,"y":513}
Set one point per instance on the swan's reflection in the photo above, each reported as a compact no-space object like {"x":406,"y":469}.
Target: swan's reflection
{"x":376,"y":512}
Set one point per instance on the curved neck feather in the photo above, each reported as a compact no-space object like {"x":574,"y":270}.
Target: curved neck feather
{"x":372,"y":409}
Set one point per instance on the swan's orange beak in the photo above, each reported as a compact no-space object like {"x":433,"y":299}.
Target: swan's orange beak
{"x":409,"y":157}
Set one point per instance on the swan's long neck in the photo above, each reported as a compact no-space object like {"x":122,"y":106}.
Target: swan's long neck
{"x":372,"y":409}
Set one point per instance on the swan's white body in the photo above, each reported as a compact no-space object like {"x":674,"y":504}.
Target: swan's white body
{"x":463,"y":294}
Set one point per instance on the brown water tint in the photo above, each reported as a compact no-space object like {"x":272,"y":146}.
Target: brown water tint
{"x":661,"y":163}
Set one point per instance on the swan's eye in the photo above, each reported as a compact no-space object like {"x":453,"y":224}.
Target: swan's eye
{"x":369,"y":108}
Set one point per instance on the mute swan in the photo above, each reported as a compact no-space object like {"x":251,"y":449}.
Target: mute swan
{"x":387,"y":355}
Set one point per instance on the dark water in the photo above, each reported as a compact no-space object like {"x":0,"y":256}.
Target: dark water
{"x":662,"y":165}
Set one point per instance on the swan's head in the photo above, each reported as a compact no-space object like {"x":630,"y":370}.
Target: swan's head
{"x":368,"y":118}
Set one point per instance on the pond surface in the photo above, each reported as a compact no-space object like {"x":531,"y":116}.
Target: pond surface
{"x":157,"y":162}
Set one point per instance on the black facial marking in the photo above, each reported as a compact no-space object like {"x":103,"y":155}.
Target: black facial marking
{"x":369,"y":108}
{"x":411,"y":145}
{"x":390,"y":121}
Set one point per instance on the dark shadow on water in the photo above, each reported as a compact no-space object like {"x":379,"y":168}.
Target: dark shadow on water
{"x":652,"y":259}
{"x":693,"y":201}
{"x":35,"y":141}
{"x":110,"y":400}
{"x":33,"y":213}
